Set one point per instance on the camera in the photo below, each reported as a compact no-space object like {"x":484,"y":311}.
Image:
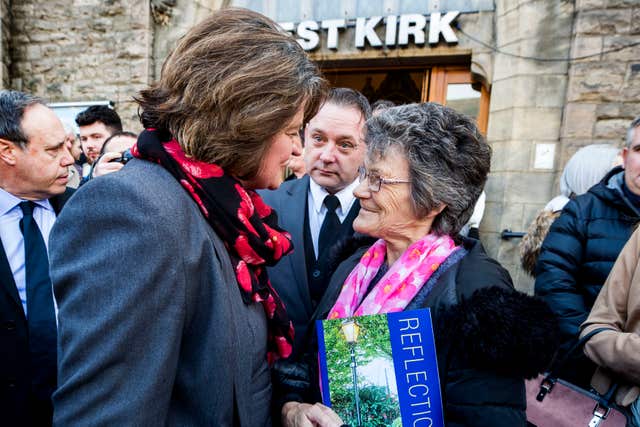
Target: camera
{"x":124,"y":158}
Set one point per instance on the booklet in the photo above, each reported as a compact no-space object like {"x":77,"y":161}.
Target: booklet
{"x":381,"y":370}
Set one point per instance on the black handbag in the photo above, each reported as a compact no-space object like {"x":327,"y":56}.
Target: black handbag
{"x":553,"y":402}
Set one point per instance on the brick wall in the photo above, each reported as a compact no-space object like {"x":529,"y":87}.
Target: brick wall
{"x":5,"y":32}
{"x":604,"y":90}
{"x":82,"y":50}
{"x":526,"y":109}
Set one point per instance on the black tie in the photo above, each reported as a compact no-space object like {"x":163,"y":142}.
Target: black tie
{"x":330,"y":226}
{"x":40,"y":313}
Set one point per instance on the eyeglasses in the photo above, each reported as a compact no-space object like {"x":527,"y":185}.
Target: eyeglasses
{"x":376,"y":181}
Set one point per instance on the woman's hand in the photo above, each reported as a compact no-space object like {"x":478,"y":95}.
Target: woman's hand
{"x":296,"y":414}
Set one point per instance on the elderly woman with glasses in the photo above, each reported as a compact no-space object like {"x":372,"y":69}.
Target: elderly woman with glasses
{"x":425,"y":167}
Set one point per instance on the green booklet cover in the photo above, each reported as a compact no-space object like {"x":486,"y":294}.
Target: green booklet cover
{"x":381,"y":370}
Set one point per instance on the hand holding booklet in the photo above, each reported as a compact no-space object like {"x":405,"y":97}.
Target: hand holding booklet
{"x":381,"y":370}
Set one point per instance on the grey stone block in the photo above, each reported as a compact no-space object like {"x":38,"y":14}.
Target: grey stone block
{"x":512,"y":215}
{"x":500,"y":125}
{"x":528,"y":187}
{"x":490,"y":241}
{"x":622,"y":3}
{"x":579,"y":119}
{"x":537,"y":123}
{"x":551,"y":90}
{"x":508,"y":254}
{"x":628,"y":52}
{"x":508,"y":28}
{"x":589,"y":4}
{"x":496,"y":186}
{"x":491,"y":217}
{"x":611,"y":128}
{"x":587,"y":47}
{"x":522,"y":281}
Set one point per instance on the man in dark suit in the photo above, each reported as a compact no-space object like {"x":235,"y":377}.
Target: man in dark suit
{"x":319,"y":209}
{"x":34,"y":163}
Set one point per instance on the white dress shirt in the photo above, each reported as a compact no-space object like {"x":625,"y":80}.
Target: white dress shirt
{"x":11,"y":236}
{"x":317,"y":209}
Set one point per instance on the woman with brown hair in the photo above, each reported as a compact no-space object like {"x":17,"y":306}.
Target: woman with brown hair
{"x":166,"y":314}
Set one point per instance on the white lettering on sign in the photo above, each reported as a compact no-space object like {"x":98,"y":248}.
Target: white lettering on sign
{"x":365,"y":31}
{"x":398,"y":30}
{"x":420,"y":401}
{"x":442,"y":25}
{"x":307,"y":30}
{"x":411,"y":25}
{"x":332,"y":25}
{"x":392,"y":28}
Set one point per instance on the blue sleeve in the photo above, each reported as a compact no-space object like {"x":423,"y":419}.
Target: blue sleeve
{"x":557,"y":269}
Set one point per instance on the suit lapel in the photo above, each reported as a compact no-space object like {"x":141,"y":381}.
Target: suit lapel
{"x":293,"y":214}
{"x":7,"y":283}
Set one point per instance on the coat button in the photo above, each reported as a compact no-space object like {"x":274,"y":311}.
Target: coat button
{"x":9,"y":325}
{"x":316,"y":274}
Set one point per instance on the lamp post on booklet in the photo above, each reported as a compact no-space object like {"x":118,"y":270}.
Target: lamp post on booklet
{"x":350,"y":330}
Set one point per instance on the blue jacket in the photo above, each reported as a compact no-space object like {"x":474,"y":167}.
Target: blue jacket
{"x":580,"y":249}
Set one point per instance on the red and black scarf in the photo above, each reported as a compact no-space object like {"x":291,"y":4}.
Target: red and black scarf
{"x":243,"y":221}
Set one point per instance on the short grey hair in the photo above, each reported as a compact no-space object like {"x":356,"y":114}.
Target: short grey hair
{"x":632,"y":127}
{"x":12,"y":107}
{"x":448,"y":158}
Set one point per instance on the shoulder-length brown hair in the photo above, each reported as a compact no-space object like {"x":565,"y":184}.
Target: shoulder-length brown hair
{"x":232,"y":83}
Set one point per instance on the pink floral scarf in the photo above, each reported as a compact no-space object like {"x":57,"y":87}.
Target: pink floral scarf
{"x":399,"y":285}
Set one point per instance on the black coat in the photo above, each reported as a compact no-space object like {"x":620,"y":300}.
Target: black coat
{"x":488,"y":337}
{"x":18,"y":406}
{"x":292,"y":277}
{"x":577,"y":255}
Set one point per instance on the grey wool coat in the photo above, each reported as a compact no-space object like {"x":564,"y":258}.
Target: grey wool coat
{"x":152,"y":327}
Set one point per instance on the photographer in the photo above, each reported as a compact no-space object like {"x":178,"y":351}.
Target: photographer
{"x":114,"y":154}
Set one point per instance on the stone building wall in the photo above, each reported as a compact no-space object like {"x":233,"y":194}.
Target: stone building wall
{"x":526,"y":110}
{"x":563,"y":104}
{"x":83,"y":50}
{"x":604,"y":90}
{"x":5,"y":25}
{"x":178,"y":19}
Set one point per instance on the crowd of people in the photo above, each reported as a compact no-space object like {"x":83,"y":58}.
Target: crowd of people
{"x":173,"y":278}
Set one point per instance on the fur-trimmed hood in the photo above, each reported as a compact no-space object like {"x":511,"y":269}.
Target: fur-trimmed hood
{"x":500,"y":330}
{"x":532,"y":241}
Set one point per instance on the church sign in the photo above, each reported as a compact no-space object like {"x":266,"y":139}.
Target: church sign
{"x":398,"y":30}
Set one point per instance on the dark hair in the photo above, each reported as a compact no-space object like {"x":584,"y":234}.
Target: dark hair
{"x":448,"y":158}
{"x":116,"y":135}
{"x":12,"y":107}
{"x":100,"y":113}
{"x":381,"y":105}
{"x":347,"y":97}
{"x":630,"y":131}
{"x":231,"y":84}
